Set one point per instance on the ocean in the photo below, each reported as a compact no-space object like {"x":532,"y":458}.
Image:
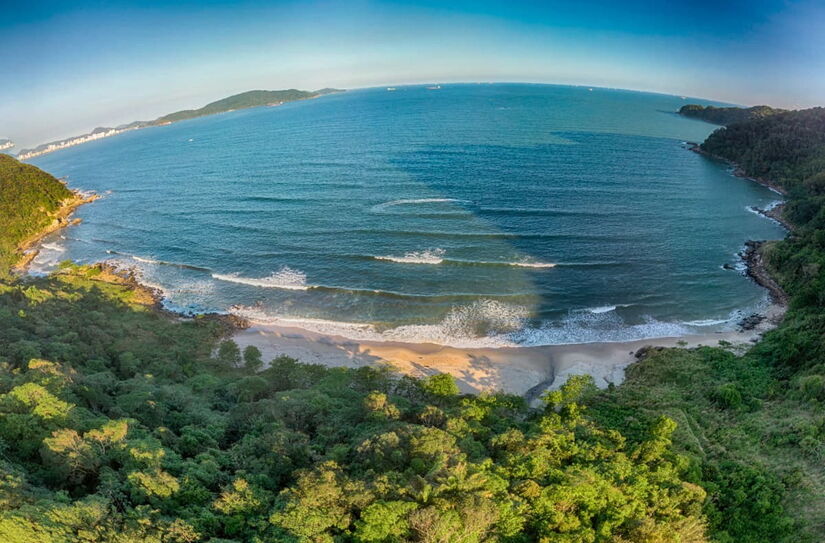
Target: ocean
{"x":470,"y":215}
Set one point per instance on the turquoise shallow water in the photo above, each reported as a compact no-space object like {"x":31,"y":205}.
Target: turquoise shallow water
{"x":469,"y":215}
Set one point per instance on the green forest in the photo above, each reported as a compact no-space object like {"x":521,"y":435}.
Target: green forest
{"x":29,"y":199}
{"x":727,"y":115}
{"x":120,"y":422}
{"x":255,"y":98}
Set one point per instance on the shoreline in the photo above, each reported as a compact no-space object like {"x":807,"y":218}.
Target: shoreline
{"x":738,"y":172}
{"x":29,"y":248}
{"x":523,"y":371}
{"x":74,"y":141}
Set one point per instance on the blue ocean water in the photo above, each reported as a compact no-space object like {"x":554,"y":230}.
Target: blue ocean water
{"x":469,"y":215}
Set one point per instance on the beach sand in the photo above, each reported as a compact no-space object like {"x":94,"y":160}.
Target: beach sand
{"x":525,"y":371}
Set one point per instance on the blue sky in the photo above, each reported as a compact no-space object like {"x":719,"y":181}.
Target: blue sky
{"x":66,"y":67}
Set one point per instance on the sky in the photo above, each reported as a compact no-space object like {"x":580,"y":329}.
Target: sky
{"x":68,"y":67}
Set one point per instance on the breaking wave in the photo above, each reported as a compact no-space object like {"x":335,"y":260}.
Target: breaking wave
{"x":483,"y":323}
{"x":53,"y":247}
{"x":493,"y":324}
{"x":147,"y":260}
{"x":437,"y":256}
{"x":285,"y":278}
{"x":430,"y":256}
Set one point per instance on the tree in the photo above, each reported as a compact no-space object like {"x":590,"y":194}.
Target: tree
{"x":252,"y":358}
{"x":440,"y":384}
{"x":229,"y":353}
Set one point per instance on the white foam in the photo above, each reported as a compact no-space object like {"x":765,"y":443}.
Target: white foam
{"x":414,"y":201}
{"x":484,"y":323}
{"x":526,"y":264}
{"x":429,"y":256}
{"x":146,"y":260}
{"x":605,"y":308}
{"x":53,"y":247}
{"x":518,"y":264}
{"x":285,"y":278}
{"x":707,"y":322}
{"x":602,"y":309}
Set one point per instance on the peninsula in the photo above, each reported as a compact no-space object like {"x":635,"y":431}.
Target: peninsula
{"x":244,"y":100}
{"x":727,"y":115}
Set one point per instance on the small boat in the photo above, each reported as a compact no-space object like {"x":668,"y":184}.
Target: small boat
{"x":390,"y":89}
{"x":434,"y":87}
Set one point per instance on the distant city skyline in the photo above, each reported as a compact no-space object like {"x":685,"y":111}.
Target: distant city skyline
{"x":67,"y":69}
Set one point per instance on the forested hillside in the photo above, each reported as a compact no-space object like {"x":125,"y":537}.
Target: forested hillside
{"x":727,"y":115}
{"x":755,"y":424}
{"x":244,"y":100}
{"x":29,"y":199}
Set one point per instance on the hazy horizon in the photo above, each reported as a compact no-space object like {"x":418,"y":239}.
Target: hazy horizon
{"x":69,"y":69}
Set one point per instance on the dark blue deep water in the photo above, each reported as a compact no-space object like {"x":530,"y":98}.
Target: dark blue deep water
{"x":473,"y":214}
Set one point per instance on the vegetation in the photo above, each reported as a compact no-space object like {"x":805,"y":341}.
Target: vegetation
{"x":118,"y":423}
{"x":139,"y":434}
{"x":247,"y":99}
{"x":244,"y":100}
{"x":727,"y":115}
{"x":754,"y":425}
{"x":29,"y":201}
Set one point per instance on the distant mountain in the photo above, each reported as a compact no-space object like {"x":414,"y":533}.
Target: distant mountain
{"x":244,"y":100}
{"x":727,"y":115}
{"x":255,"y":98}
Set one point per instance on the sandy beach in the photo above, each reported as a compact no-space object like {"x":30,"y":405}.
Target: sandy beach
{"x":526,"y":371}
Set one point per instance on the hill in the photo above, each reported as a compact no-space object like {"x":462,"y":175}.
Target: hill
{"x":727,"y":115}
{"x":255,"y":98}
{"x":31,"y":201}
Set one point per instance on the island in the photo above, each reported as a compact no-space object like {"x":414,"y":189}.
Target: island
{"x":244,"y":100}
{"x":6,"y":144}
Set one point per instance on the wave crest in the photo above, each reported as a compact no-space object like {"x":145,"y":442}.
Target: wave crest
{"x":429,"y":256}
{"x":414,"y":201}
{"x":53,"y":247}
{"x":285,"y":278}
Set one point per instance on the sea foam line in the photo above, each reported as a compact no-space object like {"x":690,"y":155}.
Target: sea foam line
{"x":285,"y":278}
{"x":491,"y":324}
{"x":414,"y":201}
{"x":147,"y":260}
{"x":436,"y":256}
{"x":429,"y":256}
{"x":53,"y":247}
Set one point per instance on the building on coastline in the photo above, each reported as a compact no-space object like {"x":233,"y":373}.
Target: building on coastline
{"x":97,"y":134}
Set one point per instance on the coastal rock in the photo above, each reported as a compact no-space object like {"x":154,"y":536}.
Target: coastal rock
{"x":751,"y":321}
{"x":756,"y":270}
